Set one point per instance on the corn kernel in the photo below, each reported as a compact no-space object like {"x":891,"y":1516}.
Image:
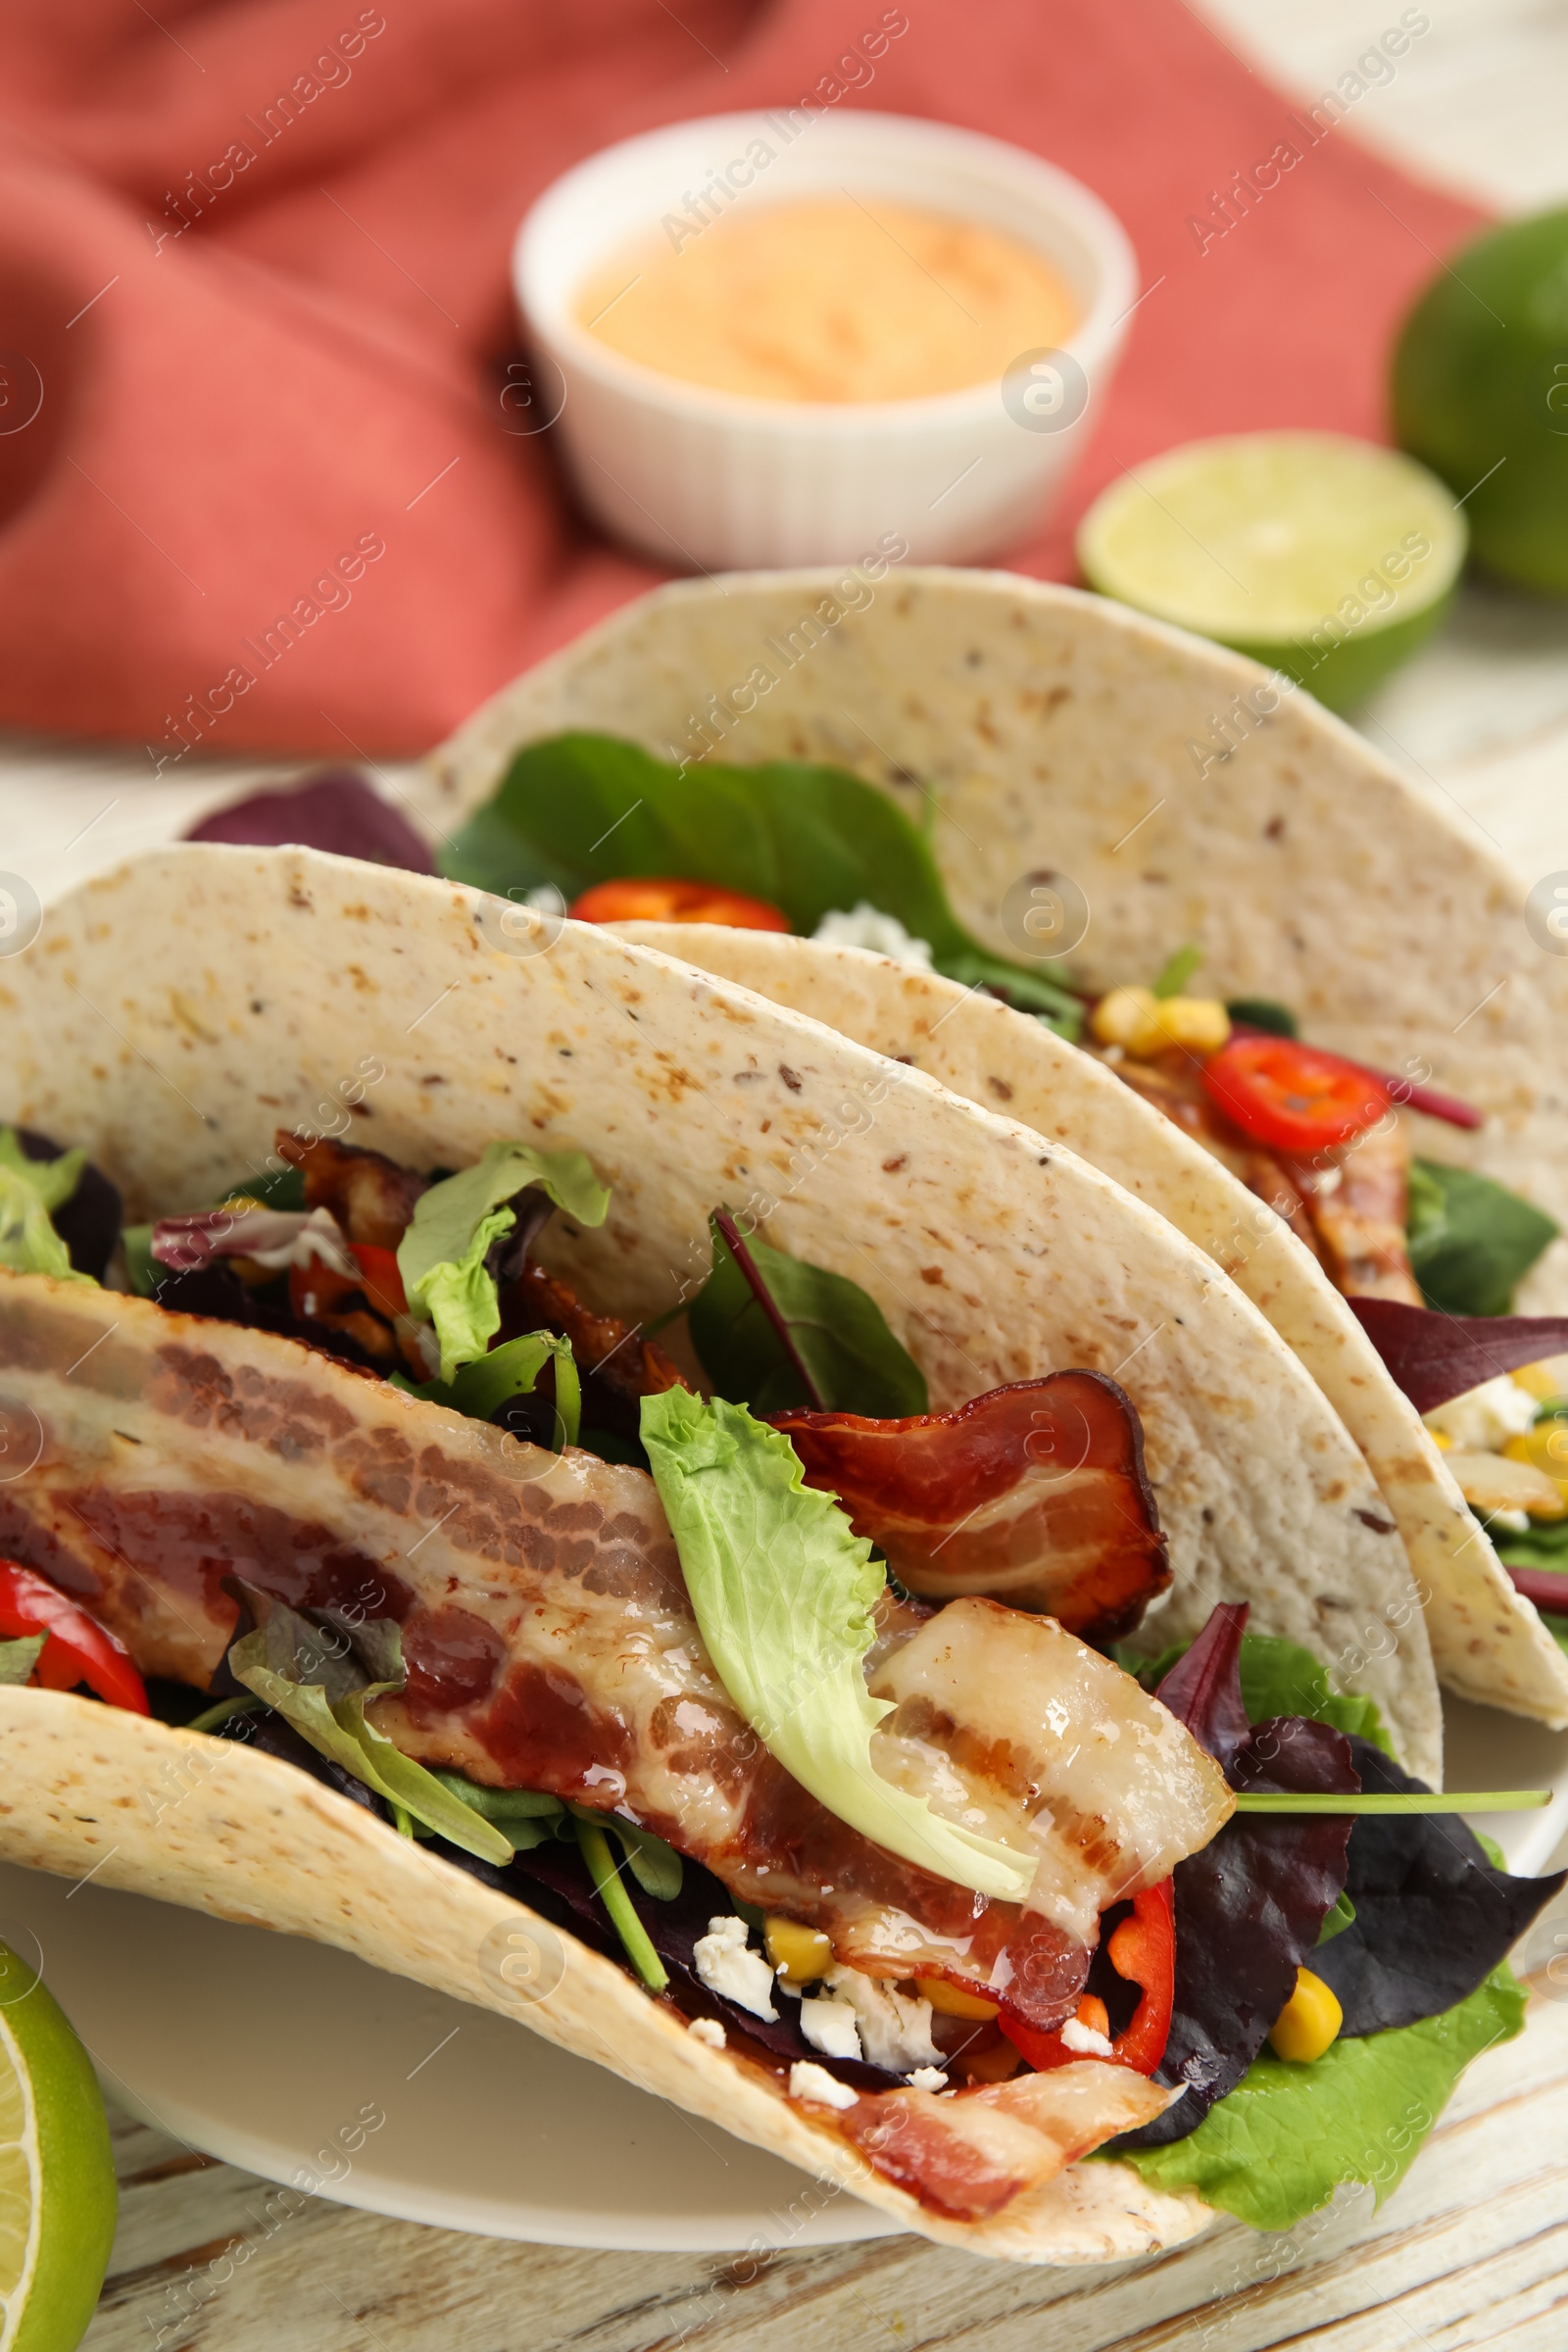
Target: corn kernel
{"x":948,"y":2000}
{"x":1129,"y":1018}
{"x":1200,"y":1024}
{"x":1549,"y":1378}
{"x":1545,"y":1447}
{"x":1308,"y":2023}
{"x":800,"y":1954}
{"x":1441,"y":1439}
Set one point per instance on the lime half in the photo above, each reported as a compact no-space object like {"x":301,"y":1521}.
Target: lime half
{"x":56,"y":2178}
{"x":1323,"y":556}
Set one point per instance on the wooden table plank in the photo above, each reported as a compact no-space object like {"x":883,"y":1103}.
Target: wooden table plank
{"x":1471,"y":2250}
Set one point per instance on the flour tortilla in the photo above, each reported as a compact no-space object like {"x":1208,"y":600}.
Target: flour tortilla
{"x":172,"y":1014}
{"x":1039,"y":728}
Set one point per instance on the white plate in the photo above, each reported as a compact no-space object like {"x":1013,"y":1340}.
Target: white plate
{"x":280,"y":2055}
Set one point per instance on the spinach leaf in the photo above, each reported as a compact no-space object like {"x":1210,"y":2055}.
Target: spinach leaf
{"x":1262,"y":1013}
{"x":1471,"y":1240}
{"x":1278,"y":2147}
{"x":836,"y":1334}
{"x":582,"y":809}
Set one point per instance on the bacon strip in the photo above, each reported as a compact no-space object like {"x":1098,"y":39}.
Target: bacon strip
{"x":1035,"y":1494}
{"x":970,"y":2156}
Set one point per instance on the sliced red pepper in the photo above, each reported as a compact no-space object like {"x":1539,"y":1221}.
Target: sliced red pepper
{"x":1292,"y":1096}
{"x":1143,"y":1949}
{"x":639,"y":900}
{"x":383,"y":1278}
{"x":319,"y":1290}
{"x":78,"y":1649}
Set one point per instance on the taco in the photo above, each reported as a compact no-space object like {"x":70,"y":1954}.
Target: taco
{"x":376,"y":1570}
{"x":1266,"y":985}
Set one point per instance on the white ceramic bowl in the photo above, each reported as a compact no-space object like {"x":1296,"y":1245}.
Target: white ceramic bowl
{"x":714,"y":481}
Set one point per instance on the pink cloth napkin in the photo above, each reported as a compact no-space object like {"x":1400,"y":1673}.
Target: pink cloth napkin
{"x":253,"y":268}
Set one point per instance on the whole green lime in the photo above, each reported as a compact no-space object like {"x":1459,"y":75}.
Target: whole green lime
{"x":57,"y":2177}
{"x":1481,"y":395}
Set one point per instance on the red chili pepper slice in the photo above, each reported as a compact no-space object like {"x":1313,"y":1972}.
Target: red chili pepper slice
{"x":1294,"y":1096}
{"x":383,"y":1279}
{"x":1143,"y":1949}
{"x":79,"y":1649}
{"x":638,"y":900}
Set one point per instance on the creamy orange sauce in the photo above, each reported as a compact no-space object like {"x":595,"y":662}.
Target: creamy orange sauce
{"x":834,"y":298}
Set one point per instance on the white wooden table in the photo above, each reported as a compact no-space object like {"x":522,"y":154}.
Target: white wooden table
{"x":1473,"y":2249}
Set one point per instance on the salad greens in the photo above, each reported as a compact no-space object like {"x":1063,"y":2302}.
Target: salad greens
{"x":783,"y":1594}
{"x":1471,"y":1241}
{"x":1278,"y":1677}
{"x":479,"y":1389}
{"x":31,"y":1191}
{"x":583,"y":808}
{"x":1284,"y":2138}
{"x":322,"y":1688}
{"x":832,"y":1332}
{"x":441,"y":1257}
{"x":19,"y":1658}
{"x":594,"y":1848}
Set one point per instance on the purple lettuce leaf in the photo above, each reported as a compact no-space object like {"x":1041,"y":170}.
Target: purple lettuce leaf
{"x":334,"y":810}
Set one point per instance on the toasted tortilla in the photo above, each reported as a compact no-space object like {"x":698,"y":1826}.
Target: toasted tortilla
{"x":174,"y":1014}
{"x":1039,"y":728}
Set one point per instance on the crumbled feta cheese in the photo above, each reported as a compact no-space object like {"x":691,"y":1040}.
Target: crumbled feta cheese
{"x":726,"y":1966}
{"x":894,"y":2027}
{"x":1084,"y":2039}
{"x":829,"y":2027}
{"x":927,"y":2078}
{"x":811,"y":2081}
{"x":866,"y":926}
{"x":1515,"y":1522}
{"x":546,"y":899}
{"x":709,"y":2030}
{"x":1483,"y":1419}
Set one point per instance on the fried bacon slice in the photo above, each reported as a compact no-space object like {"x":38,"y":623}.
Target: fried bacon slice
{"x":968,"y":2157}
{"x":1035,"y":1494}
{"x":1346,"y":1204}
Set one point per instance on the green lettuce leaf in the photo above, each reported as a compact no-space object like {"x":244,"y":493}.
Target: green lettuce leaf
{"x":31,"y":1191}
{"x":1287,"y":2135}
{"x":441,"y":1256}
{"x":783,"y":1594}
{"x":1471,"y":1241}
{"x":582,"y":809}
{"x":511,"y":1370}
{"x":837,"y":1329}
{"x":319,"y":1685}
